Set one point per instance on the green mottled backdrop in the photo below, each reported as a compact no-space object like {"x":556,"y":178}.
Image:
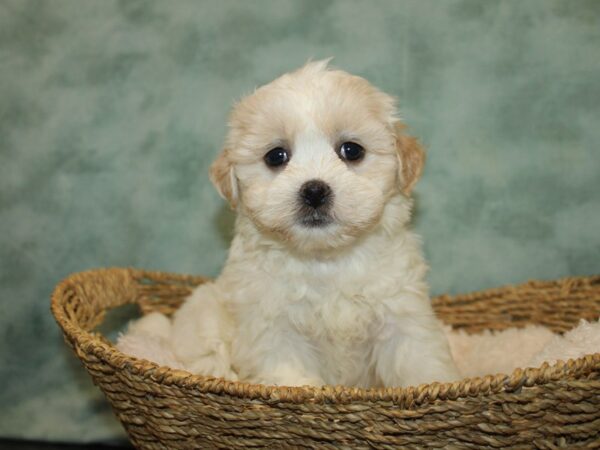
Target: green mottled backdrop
{"x":111,"y":111}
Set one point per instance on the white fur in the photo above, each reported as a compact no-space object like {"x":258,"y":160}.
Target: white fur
{"x":149,"y":338}
{"x":479,"y":354}
{"x":494,"y":352}
{"x":341,"y":304}
{"x":580,"y":341}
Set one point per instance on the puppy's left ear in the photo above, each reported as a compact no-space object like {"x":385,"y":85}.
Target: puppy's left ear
{"x":223,"y":177}
{"x":411,"y":156}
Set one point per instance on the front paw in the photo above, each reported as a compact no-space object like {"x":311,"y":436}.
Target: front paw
{"x":303,"y":381}
{"x":294,"y":381}
{"x":434,"y":371}
{"x":286,"y":375}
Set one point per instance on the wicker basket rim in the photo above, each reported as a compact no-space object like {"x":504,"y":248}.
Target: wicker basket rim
{"x":91,"y":343}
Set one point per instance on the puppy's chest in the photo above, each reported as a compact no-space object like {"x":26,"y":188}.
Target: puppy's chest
{"x":328,"y":303}
{"x":328,"y":315}
{"x":341,"y":330}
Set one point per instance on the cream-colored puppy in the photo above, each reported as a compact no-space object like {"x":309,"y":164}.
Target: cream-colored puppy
{"x":324,"y":283}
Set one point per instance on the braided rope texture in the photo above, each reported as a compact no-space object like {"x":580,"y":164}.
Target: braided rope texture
{"x":553,"y":406}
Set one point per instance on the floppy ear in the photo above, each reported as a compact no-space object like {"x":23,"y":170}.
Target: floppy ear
{"x":411,"y":156}
{"x":222,"y":176}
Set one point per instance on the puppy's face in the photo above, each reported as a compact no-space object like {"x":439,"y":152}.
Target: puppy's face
{"x":314,"y":156}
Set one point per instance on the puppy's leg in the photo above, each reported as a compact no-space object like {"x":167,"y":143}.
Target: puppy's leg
{"x":288,"y":372}
{"x":412,"y":352}
{"x":153,"y":324}
{"x":201,"y":333}
{"x":148,"y":338}
{"x":271,"y":353}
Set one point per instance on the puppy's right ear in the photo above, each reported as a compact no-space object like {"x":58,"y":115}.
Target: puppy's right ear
{"x":223,"y":177}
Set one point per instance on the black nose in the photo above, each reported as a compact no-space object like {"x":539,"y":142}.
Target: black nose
{"x":315,"y":193}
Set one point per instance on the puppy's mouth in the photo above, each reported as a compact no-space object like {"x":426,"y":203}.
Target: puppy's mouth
{"x":314,"y":218}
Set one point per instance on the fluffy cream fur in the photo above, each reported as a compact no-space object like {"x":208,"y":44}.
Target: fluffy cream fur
{"x":503,"y":351}
{"x":496,"y":352}
{"x":475,"y":355}
{"x":343,"y":303}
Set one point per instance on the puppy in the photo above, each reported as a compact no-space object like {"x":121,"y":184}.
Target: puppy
{"x":324,"y":283}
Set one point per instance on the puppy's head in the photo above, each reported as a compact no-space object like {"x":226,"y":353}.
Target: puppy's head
{"x":314,"y":156}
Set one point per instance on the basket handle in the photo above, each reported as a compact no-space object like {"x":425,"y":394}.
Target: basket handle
{"x":80,"y":301}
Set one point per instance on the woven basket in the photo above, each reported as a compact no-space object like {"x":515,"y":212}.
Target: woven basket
{"x":549,"y":407}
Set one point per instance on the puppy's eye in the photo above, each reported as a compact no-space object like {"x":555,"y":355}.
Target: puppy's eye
{"x":277,"y":157}
{"x":351,"y":151}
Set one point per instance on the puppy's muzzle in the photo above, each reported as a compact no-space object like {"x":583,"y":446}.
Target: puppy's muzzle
{"x":315,"y":198}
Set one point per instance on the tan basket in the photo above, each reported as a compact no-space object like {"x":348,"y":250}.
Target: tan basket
{"x":548,"y":407}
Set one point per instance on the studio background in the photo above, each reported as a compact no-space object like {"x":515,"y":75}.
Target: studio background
{"x":111,"y":112}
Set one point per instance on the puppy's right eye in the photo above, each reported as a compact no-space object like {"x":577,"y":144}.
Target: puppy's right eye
{"x":277,"y":157}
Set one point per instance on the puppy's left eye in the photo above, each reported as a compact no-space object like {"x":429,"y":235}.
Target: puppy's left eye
{"x":351,"y":151}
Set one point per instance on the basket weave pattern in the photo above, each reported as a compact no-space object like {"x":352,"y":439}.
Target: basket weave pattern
{"x":549,"y":407}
